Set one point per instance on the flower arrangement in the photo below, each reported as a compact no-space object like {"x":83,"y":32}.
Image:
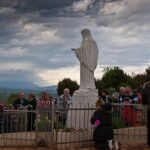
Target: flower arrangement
{"x":43,"y":123}
{"x":73,"y":130}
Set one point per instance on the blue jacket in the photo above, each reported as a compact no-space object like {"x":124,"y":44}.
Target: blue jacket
{"x":18,"y":102}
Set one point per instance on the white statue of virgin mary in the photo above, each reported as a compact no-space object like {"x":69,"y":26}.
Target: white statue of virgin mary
{"x":87,"y":54}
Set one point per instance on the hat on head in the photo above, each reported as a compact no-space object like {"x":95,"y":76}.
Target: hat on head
{"x":107,"y":106}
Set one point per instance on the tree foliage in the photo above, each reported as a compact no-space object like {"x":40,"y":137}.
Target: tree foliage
{"x":148,"y":71}
{"x":138,"y":80}
{"x":115,"y":77}
{"x":67,"y":83}
{"x":11,"y":98}
{"x":99,"y":85}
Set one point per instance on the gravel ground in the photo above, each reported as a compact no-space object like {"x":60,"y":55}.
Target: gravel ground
{"x":123,"y":147}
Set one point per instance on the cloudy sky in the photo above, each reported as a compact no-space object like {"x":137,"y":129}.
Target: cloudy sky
{"x":36,"y":37}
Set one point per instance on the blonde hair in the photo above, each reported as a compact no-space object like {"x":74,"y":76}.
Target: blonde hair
{"x":98,"y":103}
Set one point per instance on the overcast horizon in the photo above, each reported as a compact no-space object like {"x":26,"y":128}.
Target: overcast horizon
{"x":36,"y":38}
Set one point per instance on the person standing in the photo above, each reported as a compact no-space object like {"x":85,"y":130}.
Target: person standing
{"x":20,"y":101}
{"x":45,"y":102}
{"x":105,"y":96}
{"x":18,"y":120}
{"x":1,"y":106}
{"x":31,"y":114}
{"x":1,"y":117}
{"x":65,"y":98}
{"x":146,"y":101}
{"x":64,"y":101}
{"x":121,"y":94}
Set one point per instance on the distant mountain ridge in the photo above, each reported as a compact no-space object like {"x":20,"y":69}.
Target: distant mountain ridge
{"x":5,"y":92}
{"x":25,"y":85}
{"x":46,"y":88}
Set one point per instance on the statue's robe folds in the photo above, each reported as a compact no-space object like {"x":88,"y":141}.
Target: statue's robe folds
{"x":87,"y":95}
{"x":88,"y":57}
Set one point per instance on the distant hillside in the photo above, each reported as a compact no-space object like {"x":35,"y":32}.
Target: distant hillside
{"x":5,"y":92}
{"x":17,"y":84}
{"x":52,"y":88}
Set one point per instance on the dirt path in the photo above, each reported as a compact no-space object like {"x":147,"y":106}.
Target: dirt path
{"x":123,"y":147}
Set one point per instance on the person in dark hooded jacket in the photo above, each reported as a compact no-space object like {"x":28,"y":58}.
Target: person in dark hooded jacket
{"x":102,"y":124}
{"x":146,"y":101}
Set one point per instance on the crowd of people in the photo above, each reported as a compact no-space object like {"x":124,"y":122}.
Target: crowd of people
{"x":31,"y":103}
{"x":104,"y":109}
{"x":124,"y":94}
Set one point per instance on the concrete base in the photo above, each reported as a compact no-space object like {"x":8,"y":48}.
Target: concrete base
{"x":84,"y":97}
{"x":132,"y":135}
{"x":78,"y":117}
{"x":17,"y":139}
{"x":73,"y":139}
{"x":64,"y":140}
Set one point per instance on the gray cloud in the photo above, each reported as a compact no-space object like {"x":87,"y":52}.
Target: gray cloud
{"x":19,"y":78}
{"x":42,"y":33}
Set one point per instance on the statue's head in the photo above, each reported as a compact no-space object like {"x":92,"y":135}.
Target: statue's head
{"x":86,"y":33}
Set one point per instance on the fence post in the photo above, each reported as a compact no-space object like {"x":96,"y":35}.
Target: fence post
{"x":52,"y":125}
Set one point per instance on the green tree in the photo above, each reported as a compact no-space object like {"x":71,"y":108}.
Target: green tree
{"x":138,"y":81}
{"x":67,"y":83}
{"x":11,"y":98}
{"x":99,"y":85}
{"x":148,"y":71}
{"x":115,"y":77}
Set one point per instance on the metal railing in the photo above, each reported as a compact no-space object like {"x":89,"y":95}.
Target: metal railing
{"x":62,"y":128}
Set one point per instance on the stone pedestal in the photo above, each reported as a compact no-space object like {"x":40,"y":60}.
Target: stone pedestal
{"x":80,"y":111}
{"x":85,"y":96}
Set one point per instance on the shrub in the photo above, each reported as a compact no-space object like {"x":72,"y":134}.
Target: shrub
{"x":118,"y":122}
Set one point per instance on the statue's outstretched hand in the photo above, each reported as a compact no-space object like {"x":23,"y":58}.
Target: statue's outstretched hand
{"x":73,"y":49}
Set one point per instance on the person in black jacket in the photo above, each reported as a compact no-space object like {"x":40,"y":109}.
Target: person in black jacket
{"x":102,"y":124}
{"x":20,"y":101}
{"x":31,"y":112}
{"x":146,"y":101}
{"x":1,"y":117}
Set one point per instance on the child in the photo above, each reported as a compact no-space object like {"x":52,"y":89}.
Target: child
{"x":102,"y":124}
{"x":128,"y":112}
{"x":99,"y":102}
